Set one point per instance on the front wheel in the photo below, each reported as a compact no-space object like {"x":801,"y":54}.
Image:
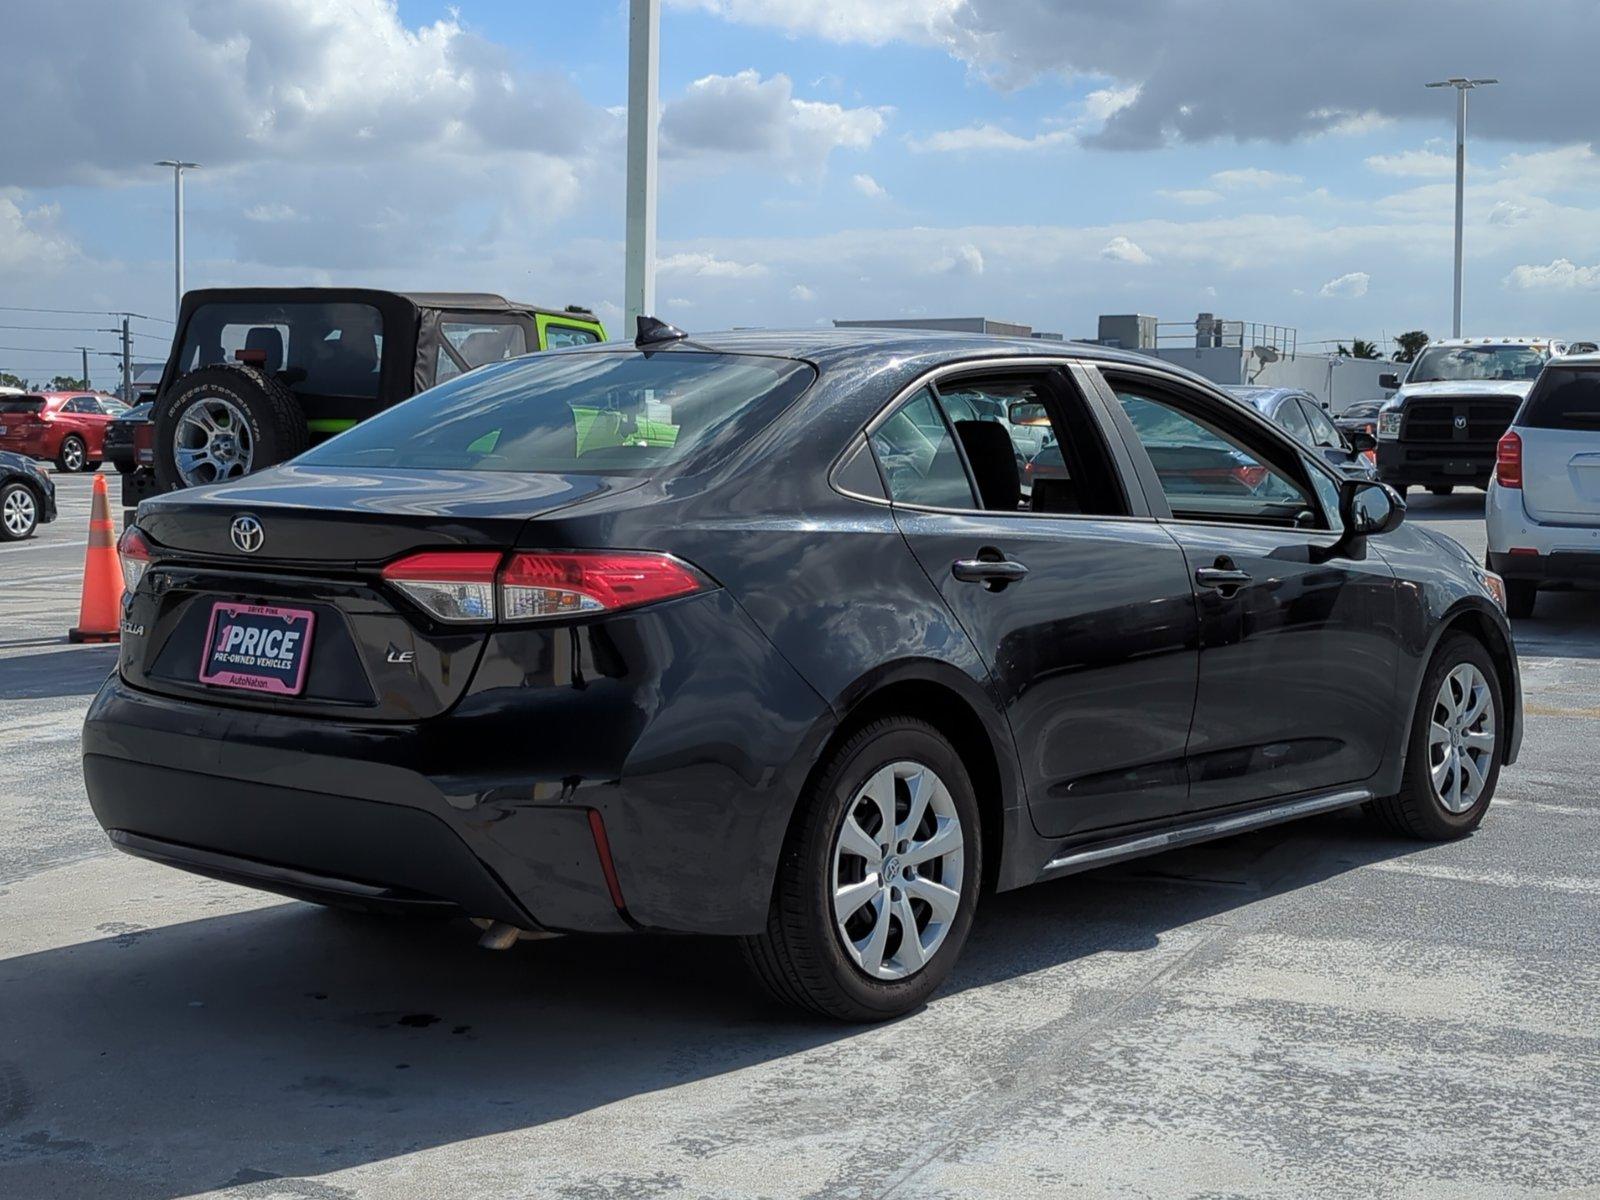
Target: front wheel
{"x":73,"y":455}
{"x":1453,"y":757}
{"x":879,"y":878}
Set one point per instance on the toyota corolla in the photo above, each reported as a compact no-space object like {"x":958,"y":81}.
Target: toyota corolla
{"x":747,"y":635}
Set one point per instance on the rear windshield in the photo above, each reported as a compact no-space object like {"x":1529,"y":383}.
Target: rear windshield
{"x":22,"y":406}
{"x":316,"y":349}
{"x":597,"y":413}
{"x":1564,"y":399}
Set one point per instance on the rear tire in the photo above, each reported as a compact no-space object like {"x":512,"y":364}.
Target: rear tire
{"x":231,"y":420}
{"x":1521,"y":595}
{"x":19,"y":512}
{"x":861,"y":967}
{"x":1427,"y":806}
{"x":73,"y":455}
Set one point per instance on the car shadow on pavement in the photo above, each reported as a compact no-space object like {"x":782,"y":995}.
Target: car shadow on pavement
{"x":289,"y":1042}
{"x":76,"y":672}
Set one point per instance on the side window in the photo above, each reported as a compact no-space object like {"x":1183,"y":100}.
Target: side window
{"x":484,"y":342}
{"x":556,"y":336}
{"x":1294,"y":420}
{"x":919,"y":456}
{"x":1209,"y":475}
{"x":1323,"y":431}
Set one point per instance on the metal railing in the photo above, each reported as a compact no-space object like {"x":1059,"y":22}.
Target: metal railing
{"x":1232,"y":335}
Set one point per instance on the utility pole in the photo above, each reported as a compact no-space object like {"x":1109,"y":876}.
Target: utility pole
{"x":178,"y":168}
{"x":1462,"y":86}
{"x":126,"y":337}
{"x":644,"y":70}
{"x":84,"y":350}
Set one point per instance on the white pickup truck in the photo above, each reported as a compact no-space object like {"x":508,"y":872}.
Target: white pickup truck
{"x":1440,"y":430}
{"x":1544,"y":501}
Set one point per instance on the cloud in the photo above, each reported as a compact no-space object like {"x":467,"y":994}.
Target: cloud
{"x":967,"y":261}
{"x":1561,"y":275}
{"x":30,"y":241}
{"x":1190,"y":195}
{"x":869,"y":187}
{"x":704,"y":265}
{"x":802,"y":293}
{"x":746,"y":116}
{"x":986,"y":137}
{"x":1346,"y":287}
{"x":1252,"y":177}
{"x":1413,"y":162}
{"x":270,"y":213}
{"x":1246,"y":70}
{"x":1122,"y":250}
{"x":1507,"y":212}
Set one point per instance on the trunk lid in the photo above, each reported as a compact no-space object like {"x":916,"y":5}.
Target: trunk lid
{"x":372,"y":654}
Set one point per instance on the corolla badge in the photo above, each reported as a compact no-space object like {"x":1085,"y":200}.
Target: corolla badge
{"x":247,"y":534}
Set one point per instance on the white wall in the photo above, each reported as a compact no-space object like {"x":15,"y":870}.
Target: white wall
{"x":1338,"y":382}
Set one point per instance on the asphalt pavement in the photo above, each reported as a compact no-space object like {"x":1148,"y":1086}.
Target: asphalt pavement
{"x":1314,"y":1010}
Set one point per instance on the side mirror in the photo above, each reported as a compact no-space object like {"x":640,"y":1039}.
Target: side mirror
{"x":1389,"y":381}
{"x":1026,"y":412}
{"x":1370,"y":509}
{"x":1361,"y":441}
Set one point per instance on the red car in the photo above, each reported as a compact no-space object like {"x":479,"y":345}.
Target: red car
{"x":66,"y":427}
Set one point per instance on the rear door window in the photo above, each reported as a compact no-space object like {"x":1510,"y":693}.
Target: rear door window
{"x":557,"y":335}
{"x":1565,"y":398}
{"x":918,"y":454}
{"x":315,"y":349}
{"x":477,"y":344}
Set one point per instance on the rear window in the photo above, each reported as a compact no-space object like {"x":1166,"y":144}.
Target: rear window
{"x":1564,"y":398}
{"x":22,"y":406}
{"x":316,"y":349}
{"x":586,"y":413}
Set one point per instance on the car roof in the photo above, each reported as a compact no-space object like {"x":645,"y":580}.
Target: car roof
{"x":466,"y":301}
{"x":832,"y":347}
{"x":1263,"y":397}
{"x":1495,"y":341}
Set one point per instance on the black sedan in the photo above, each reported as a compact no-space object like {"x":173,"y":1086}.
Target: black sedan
{"x":1302,"y":415}
{"x":743,"y":635}
{"x":118,"y":447}
{"x":27,"y":497}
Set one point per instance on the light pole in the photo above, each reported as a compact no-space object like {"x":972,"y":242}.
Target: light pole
{"x":178,"y":168}
{"x":1462,"y":86}
{"x":644,"y":70}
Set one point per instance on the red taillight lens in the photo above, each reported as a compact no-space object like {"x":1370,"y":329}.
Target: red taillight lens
{"x":1508,"y":461}
{"x":461,"y":585}
{"x":133,"y":552}
{"x":578,"y":583}
{"x":453,"y":585}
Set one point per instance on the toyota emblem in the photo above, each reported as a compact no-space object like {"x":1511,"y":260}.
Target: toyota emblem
{"x":247,"y":534}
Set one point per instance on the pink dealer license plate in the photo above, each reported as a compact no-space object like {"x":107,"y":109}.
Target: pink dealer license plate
{"x":258,"y":648}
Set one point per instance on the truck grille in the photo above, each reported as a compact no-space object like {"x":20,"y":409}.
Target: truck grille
{"x":1457,"y":419}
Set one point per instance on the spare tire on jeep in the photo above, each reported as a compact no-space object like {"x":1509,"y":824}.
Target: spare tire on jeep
{"x":222,"y":422}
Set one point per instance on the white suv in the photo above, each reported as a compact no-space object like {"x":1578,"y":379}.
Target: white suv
{"x":1544,"y":499}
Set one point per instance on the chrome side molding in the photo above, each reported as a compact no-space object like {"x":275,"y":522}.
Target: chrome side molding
{"x":1202,"y":831}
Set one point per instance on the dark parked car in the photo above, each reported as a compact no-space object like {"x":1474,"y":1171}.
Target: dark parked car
{"x":118,"y":446}
{"x":27,"y":497}
{"x":742,"y":636}
{"x":1300,"y":413}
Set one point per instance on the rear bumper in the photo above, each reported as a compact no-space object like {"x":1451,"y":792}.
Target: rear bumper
{"x":1404,"y":464}
{"x":1563,"y":568}
{"x":679,"y":726}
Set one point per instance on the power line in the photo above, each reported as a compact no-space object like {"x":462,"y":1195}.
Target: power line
{"x":85,"y":312}
{"x":78,"y":329}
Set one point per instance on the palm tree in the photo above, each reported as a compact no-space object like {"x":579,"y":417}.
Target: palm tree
{"x":1359,"y":349}
{"x":1411,"y":344}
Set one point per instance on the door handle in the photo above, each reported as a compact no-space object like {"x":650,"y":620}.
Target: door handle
{"x":988,"y":570}
{"x":1225,"y":579}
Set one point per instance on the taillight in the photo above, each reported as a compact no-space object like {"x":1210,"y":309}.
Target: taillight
{"x":1508,"y":460}
{"x":577,"y":583}
{"x":473,"y":586}
{"x":133,"y":552}
{"x":453,"y":585}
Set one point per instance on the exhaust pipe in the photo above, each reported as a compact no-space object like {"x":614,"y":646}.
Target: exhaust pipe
{"x":502,"y":935}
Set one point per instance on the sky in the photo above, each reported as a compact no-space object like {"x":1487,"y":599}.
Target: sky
{"x":1040,"y":161}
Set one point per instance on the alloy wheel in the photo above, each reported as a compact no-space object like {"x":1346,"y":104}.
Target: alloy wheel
{"x":212,"y":442}
{"x":72,"y":453}
{"x":1461,"y":738}
{"x":897,"y":871}
{"x":19,"y":512}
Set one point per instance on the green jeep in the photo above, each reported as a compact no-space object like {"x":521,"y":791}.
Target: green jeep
{"x":256,"y":375}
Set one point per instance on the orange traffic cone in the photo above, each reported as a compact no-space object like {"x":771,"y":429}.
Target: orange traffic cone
{"x":100,"y":610}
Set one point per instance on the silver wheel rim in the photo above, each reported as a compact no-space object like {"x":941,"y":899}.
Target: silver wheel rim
{"x":18,"y":512}
{"x":72,"y":454}
{"x":1461,"y":738}
{"x":898,"y":858}
{"x":212,"y":442}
